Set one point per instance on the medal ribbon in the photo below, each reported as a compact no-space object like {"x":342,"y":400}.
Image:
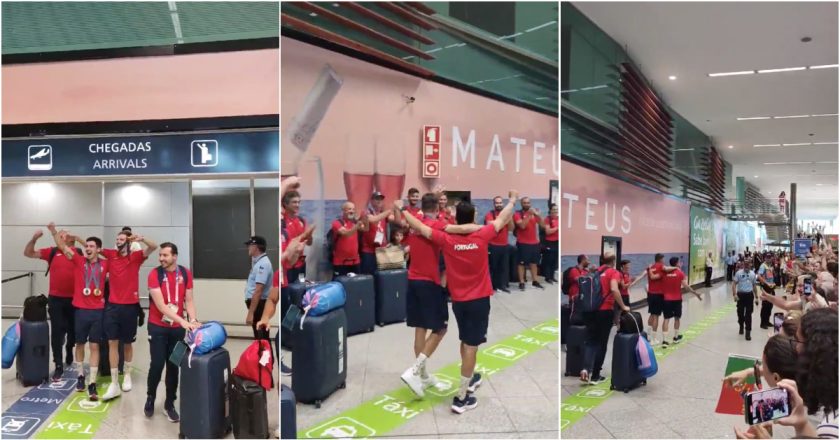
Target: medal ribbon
{"x":92,"y":274}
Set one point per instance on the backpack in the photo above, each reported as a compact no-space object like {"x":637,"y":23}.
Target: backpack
{"x":329,"y":241}
{"x":161,"y":273}
{"x":257,"y":363}
{"x":35,"y":308}
{"x":53,"y":251}
{"x":590,"y":296}
{"x":567,"y":281}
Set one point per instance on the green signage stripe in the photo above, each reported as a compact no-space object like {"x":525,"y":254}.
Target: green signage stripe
{"x":393,"y":409}
{"x":574,"y":407}
{"x":77,"y":417}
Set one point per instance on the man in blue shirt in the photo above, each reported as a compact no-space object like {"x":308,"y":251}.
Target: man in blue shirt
{"x":744,"y":293}
{"x":767,"y":278}
{"x":259,"y":281}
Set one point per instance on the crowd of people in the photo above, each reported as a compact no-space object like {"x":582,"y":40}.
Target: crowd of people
{"x":449,"y":257}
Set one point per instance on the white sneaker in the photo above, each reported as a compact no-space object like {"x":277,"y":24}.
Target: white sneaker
{"x":429,"y":381}
{"x":113,"y":390}
{"x":126,"y":385}
{"x":277,"y":433}
{"x":411,"y":377}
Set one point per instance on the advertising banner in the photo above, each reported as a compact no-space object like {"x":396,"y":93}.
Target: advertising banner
{"x":707,"y":236}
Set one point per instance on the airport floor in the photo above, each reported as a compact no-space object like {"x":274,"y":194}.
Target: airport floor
{"x":680,"y":400}
{"x":517,"y":401}
{"x":124,"y":416}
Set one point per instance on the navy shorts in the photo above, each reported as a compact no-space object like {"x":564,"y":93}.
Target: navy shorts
{"x":89,"y":325}
{"x":473,"y":318}
{"x":655,"y":303}
{"x":426,"y":306}
{"x":528,"y":253}
{"x":121,"y":322}
{"x":368,"y":264}
{"x":672,"y":309}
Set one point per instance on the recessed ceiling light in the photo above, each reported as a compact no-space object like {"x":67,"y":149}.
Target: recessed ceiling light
{"x":755,"y":177}
{"x":826,"y":114}
{"x":819,"y":184}
{"x":825,"y":66}
{"x":767,"y":145}
{"x":796,"y":145}
{"x":784,"y":69}
{"x":756,"y":118}
{"x":791,"y":117}
{"x":743,"y":72}
{"x":672,"y":78}
{"x":731,"y":147}
{"x":825,"y":143}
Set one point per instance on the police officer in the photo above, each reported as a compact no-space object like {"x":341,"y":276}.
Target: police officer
{"x":259,"y":281}
{"x":744,"y":293}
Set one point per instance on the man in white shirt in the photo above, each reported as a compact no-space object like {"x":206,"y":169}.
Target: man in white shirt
{"x":709,"y":265}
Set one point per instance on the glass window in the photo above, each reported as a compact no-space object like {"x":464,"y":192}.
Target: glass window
{"x":221,"y":224}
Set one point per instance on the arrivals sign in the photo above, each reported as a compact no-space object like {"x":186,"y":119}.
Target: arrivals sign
{"x":122,"y":155}
{"x":431,"y":151}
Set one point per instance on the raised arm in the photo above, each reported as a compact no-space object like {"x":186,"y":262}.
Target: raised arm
{"x":59,"y":241}
{"x":151,"y":246}
{"x":413,"y":222}
{"x":29,"y":250}
{"x":781,"y":303}
{"x":376,"y":218}
{"x":507,"y":212}
{"x":289,"y":184}
{"x":467,"y":229}
{"x":638,"y":278}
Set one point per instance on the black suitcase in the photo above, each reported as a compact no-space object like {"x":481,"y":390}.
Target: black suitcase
{"x":204,"y":395}
{"x":625,"y":370}
{"x":359,"y":307}
{"x":248,"y":409}
{"x":391,"y":288}
{"x":295,"y":291}
{"x":320,"y":361}
{"x":33,"y":356}
{"x":630,"y":322}
{"x":35,"y":308}
{"x":288,"y":415}
{"x":565,"y":322}
{"x":574,"y":350}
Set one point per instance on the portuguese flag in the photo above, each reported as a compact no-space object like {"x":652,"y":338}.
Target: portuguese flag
{"x":731,"y":399}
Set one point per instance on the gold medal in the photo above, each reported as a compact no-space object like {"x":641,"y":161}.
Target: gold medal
{"x":97,"y":292}
{"x":86,"y":291}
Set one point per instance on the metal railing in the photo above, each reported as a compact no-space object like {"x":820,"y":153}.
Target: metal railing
{"x":31,"y":276}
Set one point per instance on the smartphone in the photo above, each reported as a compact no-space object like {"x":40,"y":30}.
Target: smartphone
{"x":807,"y":286}
{"x":766,"y":405}
{"x":778,"y":319}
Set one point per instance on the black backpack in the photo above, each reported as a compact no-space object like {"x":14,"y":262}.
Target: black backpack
{"x":161,"y":273}
{"x":35,"y":308}
{"x":331,"y":238}
{"x":567,"y":281}
{"x":53,"y":252}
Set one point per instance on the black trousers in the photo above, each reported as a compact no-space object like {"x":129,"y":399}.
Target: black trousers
{"x":292,"y":274}
{"x":344,"y":270}
{"x":62,"y":323}
{"x":257,"y":315}
{"x":549,"y":260}
{"x":766,"y":307}
{"x":499,"y":266}
{"x":745,"y":309}
{"x":162,"y":341}
{"x":708,"y":277}
{"x":730,"y":270}
{"x":598,"y":327}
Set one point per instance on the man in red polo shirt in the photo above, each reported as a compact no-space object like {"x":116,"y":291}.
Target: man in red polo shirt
{"x":123,"y":306}
{"x":89,"y":301}
{"x":656,"y":298}
{"x":551,"y":224}
{"x":294,"y":225}
{"x":672,"y":285}
{"x":62,"y":312}
{"x":600,"y":323}
{"x":376,"y":235}
{"x":527,"y":242}
{"x":470,"y":286}
{"x":498,"y":248}
{"x":346,"y":235}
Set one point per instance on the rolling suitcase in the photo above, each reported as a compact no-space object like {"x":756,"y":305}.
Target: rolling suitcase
{"x":630,"y":322}
{"x":360,"y":303}
{"x":33,"y":360}
{"x":565,"y":321}
{"x":625,"y":370}
{"x":320,"y":361}
{"x":248,"y":409}
{"x":204,"y":411}
{"x":391,"y":288}
{"x":288,"y":416}
{"x":574,"y":349}
{"x":295,"y":291}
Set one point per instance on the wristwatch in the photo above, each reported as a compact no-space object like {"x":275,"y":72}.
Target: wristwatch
{"x":404,"y":208}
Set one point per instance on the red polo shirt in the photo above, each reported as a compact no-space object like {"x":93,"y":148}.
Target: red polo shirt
{"x":80,"y":300}
{"x":467,"y":266}
{"x":501,"y":239}
{"x":672,"y":285}
{"x":369,"y":243}
{"x":172,"y":293}
{"x":574,"y":287}
{"x":295,"y":225}
{"x":655,"y":286}
{"x":606,"y":278}
{"x":62,"y":273}
{"x":284,"y":243}
{"x":346,"y":248}
{"x":529,"y":234}
{"x":553,"y":222}
{"x":425,"y":255}
{"x":124,"y":275}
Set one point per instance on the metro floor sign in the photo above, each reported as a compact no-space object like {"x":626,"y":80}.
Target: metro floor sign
{"x":169,"y":154}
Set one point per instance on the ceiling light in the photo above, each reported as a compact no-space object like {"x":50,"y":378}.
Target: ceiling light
{"x":684,"y":149}
{"x":791,"y":117}
{"x":755,"y":177}
{"x":785,"y":69}
{"x":825,"y":143}
{"x":796,"y":145}
{"x":785,"y":163}
{"x":754,"y":119}
{"x":743,"y":72}
{"x":826,"y":114}
{"x":672,"y":78}
{"x":767,"y":145}
{"x":825,"y":66}
{"x":731,"y":147}
{"x":312,"y":14}
{"x":819,"y":184}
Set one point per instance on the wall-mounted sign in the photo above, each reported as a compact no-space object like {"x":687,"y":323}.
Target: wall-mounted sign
{"x":801,"y":247}
{"x":170,"y":154}
{"x":431,"y":151}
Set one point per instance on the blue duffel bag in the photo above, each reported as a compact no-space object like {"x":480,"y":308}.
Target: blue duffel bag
{"x":322,"y":299}
{"x":11,"y":344}
{"x":210,"y":336}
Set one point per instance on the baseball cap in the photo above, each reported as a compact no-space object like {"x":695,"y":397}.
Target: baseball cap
{"x":377,"y":195}
{"x":257,"y":240}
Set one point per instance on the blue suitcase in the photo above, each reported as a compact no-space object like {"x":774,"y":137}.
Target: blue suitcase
{"x":625,"y":371}
{"x":575,"y":338}
{"x":391,"y":289}
{"x":204,"y":395}
{"x":288,"y":414}
{"x":33,"y":360}
{"x":320,"y":359}
{"x":360,"y":304}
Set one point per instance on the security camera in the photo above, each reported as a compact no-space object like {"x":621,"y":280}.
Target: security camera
{"x":409,"y":99}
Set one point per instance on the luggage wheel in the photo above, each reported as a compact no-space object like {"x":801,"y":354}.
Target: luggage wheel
{"x":181,"y":435}
{"x":612,"y":387}
{"x":342,"y":386}
{"x":317,"y":404}
{"x":626,"y":390}
{"x":381,"y":324}
{"x":644,"y":381}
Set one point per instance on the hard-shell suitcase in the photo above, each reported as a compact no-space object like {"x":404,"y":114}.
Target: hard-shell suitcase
{"x":288,"y":413}
{"x":248,"y":409}
{"x":391,"y":288}
{"x":630,"y":322}
{"x":295,"y":292}
{"x":574,"y":349}
{"x":204,"y":395}
{"x":625,"y":370}
{"x":359,"y":307}
{"x":320,"y":360}
{"x":565,"y":322}
{"x":33,"y":360}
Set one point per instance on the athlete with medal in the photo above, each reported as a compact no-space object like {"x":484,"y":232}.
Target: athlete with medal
{"x":89,"y":302}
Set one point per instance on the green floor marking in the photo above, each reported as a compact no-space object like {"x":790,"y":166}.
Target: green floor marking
{"x":393,"y":409}
{"x":573,"y":408}
{"x":78,"y":417}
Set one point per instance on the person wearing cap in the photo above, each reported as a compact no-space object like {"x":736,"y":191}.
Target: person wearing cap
{"x":376,"y":234}
{"x":294,"y":224}
{"x":259,"y":281}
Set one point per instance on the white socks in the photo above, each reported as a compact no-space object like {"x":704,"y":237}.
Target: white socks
{"x":93,"y":371}
{"x":115,"y":374}
{"x":80,"y":368}
{"x":126,"y":368}
{"x":462,"y":391}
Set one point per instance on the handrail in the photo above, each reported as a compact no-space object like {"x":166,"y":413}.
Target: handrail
{"x":28,"y":274}
{"x":31,"y":276}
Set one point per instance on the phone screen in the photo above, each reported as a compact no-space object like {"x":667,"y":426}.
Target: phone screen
{"x":807,"y":286}
{"x":766,"y":405}
{"x":778,"y":319}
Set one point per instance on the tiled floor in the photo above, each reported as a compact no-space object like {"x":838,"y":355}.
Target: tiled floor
{"x":679,"y":402}
{"x":518,"y":402}
{"x":125,"y":419}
